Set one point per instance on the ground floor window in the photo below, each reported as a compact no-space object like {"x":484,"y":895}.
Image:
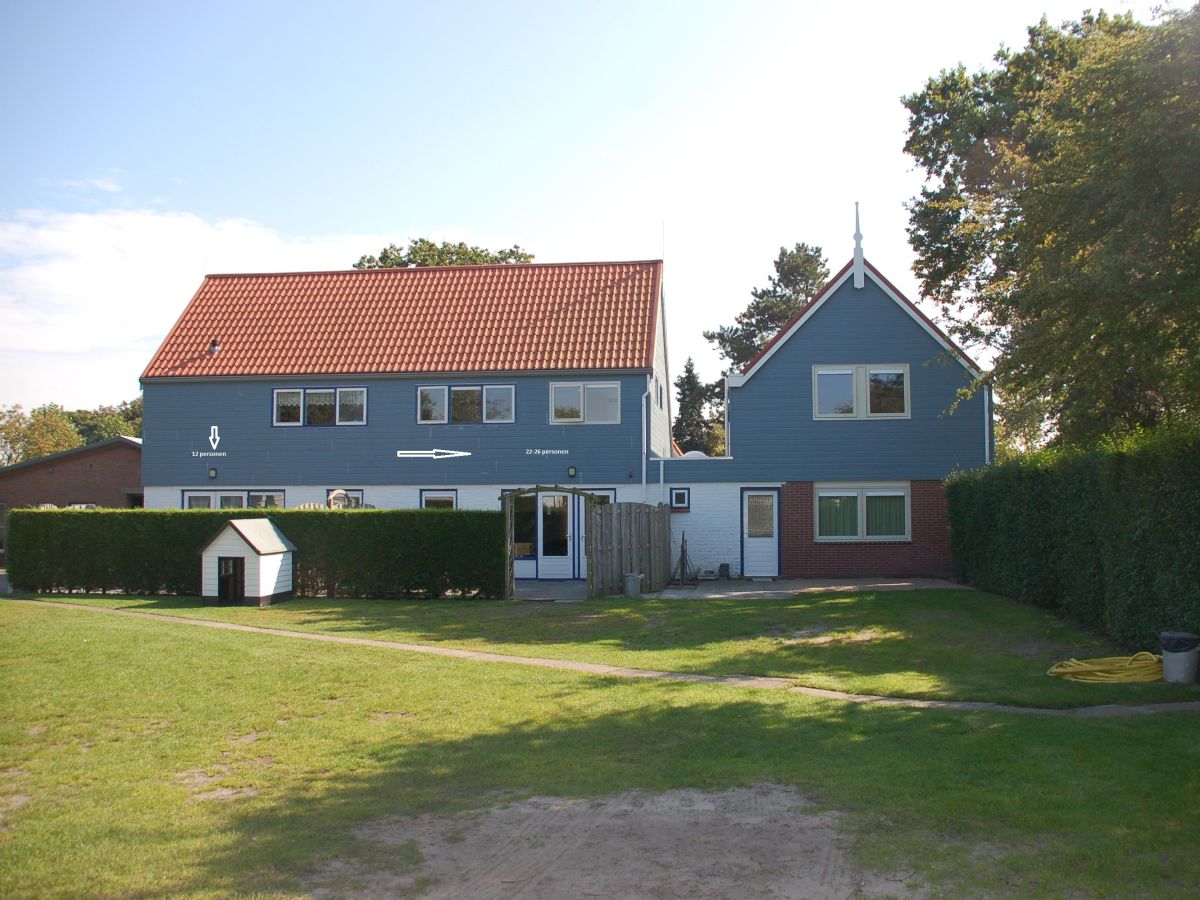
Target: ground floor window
{"x":439,"y":499}
{"x":344,"y":498}
{"x":231,"y":499}
{"x":868,"y":511}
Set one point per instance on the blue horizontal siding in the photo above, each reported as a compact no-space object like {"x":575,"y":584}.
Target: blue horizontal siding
{"x":179,"y":415}
{"x":774,"y":435}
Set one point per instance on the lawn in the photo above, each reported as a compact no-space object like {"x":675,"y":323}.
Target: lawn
{"x":147,"y":758}
{"x":933,"y":644}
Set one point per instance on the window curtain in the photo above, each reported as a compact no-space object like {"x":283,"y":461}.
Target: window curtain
{"x":885,"y":516}
{"x":837,"y":516}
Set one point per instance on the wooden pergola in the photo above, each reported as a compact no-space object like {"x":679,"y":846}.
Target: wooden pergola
{"x":507,"y":498}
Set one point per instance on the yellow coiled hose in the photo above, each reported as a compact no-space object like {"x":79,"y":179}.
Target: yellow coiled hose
{"x":1142,"y":666}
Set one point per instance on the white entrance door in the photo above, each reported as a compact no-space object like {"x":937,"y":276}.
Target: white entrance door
{"x":760,"y":533}
{"x":555,"y":559}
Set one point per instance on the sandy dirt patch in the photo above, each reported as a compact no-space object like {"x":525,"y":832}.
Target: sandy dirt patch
{"x":745,"y":842}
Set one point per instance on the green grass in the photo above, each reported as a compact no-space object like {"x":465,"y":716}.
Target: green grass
{"x":934,"y":644}
{"x":110,"y":725}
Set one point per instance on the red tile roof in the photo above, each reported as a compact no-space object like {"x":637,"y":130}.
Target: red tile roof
{"x":454,"y":319}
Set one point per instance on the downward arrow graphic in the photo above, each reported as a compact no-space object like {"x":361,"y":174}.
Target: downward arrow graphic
{"x":214,"y":437}
{"x":430,"y":454}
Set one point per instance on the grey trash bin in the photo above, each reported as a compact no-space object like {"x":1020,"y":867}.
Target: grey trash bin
{"x":1181,"y":653}
{"x":633,"y":584}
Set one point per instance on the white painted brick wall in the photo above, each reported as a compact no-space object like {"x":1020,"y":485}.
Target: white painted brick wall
{"x":713,"y":526}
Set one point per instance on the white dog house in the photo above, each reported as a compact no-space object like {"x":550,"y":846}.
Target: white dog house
{"x":248,"y":562}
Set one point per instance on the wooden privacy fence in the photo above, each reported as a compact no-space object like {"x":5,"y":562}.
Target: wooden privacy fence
{"x":627,"y":538}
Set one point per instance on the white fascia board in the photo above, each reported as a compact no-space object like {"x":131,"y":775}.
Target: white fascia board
{"x":903,"y":304}
{"x":797,"y":325}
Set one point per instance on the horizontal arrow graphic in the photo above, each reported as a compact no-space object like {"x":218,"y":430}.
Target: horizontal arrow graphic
{"x":430,"y":454}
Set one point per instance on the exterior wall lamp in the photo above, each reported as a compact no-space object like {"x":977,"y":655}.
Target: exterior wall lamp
{"x":212,"y":471}
{"x":570,"y":471}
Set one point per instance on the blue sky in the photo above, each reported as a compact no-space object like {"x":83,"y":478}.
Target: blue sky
{"x":150,"y":143}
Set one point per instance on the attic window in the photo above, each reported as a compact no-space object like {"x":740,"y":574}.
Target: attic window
{"x":861,"y":392}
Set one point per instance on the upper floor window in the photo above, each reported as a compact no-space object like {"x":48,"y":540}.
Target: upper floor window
{"x":465,"y":404}
{"x":580,"y":403}
{"x":320,"y":406}
{"x":861,"y":392}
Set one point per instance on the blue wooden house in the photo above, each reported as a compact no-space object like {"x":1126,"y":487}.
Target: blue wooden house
{"x":444,"y":387}
{"x":423,"y":387}
{"x":838,"y":436}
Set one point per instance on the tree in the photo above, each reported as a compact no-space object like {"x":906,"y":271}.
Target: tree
{"x":12,"y":434}
{"x":48,"y":430}
{"x":1060,"y":221}
{"x":799,"y":274}
{"x":424,"y":252}
{"x":106,"y":422}
{"x":698,"y":425}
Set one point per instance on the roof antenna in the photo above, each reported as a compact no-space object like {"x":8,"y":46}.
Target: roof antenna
{"x":859,"y":269}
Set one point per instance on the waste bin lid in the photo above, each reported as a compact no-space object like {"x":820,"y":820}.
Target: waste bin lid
{"x":1179,"y":641}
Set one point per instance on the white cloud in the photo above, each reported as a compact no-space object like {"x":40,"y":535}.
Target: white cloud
{"x":85,"y":298}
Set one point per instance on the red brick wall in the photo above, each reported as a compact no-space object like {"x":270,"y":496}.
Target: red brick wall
{"x":927,"y":555}
{"x":102,"y":476}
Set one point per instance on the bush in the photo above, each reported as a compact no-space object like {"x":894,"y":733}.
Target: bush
{"x":1108,"y":535}
{"x":349,"y":553}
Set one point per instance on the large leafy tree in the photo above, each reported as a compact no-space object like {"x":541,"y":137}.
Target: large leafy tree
{"x":47,"y":430}
{"x":105,"y":422}
{"x":799,"y":274}
{"x":424,"y":252}
{"x":1060,"y":221}
{"x":697,"y":425}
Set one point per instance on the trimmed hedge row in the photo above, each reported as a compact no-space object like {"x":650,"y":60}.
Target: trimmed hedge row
{"x":1110,"y":535}
{"x":348,"y":553}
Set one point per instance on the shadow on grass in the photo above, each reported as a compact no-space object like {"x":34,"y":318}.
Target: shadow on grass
{"x":936,"y":644}
{"x":927,"y":786}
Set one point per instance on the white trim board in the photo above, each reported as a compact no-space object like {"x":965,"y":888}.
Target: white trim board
{"x":831,"y":289}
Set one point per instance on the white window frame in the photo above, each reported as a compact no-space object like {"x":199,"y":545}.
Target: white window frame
{"x":275,"y":407}
{"x":862,"y":490}
{"x":512,"y":403}
{"x":445,"y":404}
{"x":555,"y":419}
{"x":681,"y":498}
{"x":251,"y":494}
{"x":861,"y":374}
{"x":584,"y":417}
{"x":835,"y":370}
{"x":451,"y":495}
{"x":448,"y":401}
{"x":337,"y":405}
{"x":320,"y":390}
{"x":355,"y":495}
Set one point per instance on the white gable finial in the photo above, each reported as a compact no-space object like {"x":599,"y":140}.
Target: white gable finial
{"x":859,"y":268}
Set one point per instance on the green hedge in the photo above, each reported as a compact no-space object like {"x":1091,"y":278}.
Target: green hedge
{"x":349,"y":553}
{"x":1109,"y":535}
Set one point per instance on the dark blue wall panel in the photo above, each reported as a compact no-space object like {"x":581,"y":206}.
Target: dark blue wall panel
{"x":179,"y":416}
{"x":775,"y":437}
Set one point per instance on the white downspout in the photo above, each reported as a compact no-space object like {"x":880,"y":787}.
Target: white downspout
{"x":645,"y":433}
{"x":728,"y":433}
